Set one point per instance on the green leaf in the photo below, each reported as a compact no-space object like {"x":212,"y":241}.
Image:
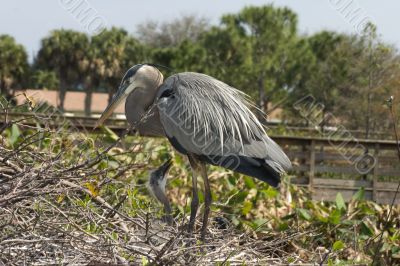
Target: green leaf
{"x":178,"y":160}
{"x":110,"y":135}
{"x":395,"y":252}
{"x":338,"y":245}
{"x":367,"y":210}
{"x":304,"y":214}
{"x":360,"y":194}
{"x":259,"y":222}
{"x":334,"y":216}
{"x":322,"y":219}
{"x":283,"y":226}
{"x":232,"y":180}
{"x":249,"y":182}
{"x":366,"y":230}
{"x":201,"y":196}
{"x":289,"y":216}
{"x":92,"y":188}
{"x":270,"y":192}
{"x":113,"y":164}
{"x":145,"y":261}
{"x":247,"y":207}
{"x":15,"y":133}
{"x":340,"y":204}
{"x":239,"y":197}
{"x":290,"y":260}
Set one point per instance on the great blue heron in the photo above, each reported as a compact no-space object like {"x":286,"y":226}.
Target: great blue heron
{"x":204,"y":119}
{"x":156,"y":185}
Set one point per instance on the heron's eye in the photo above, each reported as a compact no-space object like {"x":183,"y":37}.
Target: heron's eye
{"x":167,"y":93}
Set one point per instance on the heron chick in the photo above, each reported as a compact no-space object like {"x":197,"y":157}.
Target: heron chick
{"x":156,"y":185}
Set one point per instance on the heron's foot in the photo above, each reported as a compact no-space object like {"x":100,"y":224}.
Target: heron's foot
{"x":192,"y":219}
{"x":190,"y":227}
{"x":203,"y":234}
{"x":203,"y":231}
{"x":168,"y":219}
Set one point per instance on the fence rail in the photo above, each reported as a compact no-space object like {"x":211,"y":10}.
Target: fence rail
{"x":353,"y":162}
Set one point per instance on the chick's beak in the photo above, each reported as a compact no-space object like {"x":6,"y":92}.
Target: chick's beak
{"x":165,"y":167}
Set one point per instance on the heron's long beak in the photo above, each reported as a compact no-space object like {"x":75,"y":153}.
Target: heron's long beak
{"x":116,"y":100}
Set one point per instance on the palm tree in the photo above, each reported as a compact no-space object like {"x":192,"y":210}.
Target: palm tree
{"x":14,"y":64}
{"x":110,"y":54}
{"x":65,"y":52}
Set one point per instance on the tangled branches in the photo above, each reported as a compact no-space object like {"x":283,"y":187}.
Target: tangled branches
{"x":64,"y":199}
{"x":49,"y":214}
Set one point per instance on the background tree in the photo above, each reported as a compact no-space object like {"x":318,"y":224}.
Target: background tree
{"x":13,"y":64}
{"x":43,"y":79}
{"x":175,"y":43}
{"x":373,"y":68}
{"x":111,"y":53}
{"x":270,"y":32}
{"x":171,"y":33}
{"x":227,"y":57}
{"x":64,"y":52}
{"x":327,"y":72}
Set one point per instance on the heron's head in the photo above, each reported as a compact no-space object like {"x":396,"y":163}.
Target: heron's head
{"x":142,"y":76}
{"x":158,"y":179}
{"x":156,"y":186}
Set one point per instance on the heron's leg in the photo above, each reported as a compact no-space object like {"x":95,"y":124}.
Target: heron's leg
{"x":195,"y":200}
{"x":207,"y":200}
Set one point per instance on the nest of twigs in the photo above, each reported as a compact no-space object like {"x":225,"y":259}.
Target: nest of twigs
{"x":48,"y":215}
{"x":56,"y":207}
{"x":43,"y":220}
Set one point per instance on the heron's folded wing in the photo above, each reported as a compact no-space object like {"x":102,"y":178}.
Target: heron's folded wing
{"x":204,"y":116}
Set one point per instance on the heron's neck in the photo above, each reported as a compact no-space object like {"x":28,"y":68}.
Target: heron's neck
{"x":141,"y":113}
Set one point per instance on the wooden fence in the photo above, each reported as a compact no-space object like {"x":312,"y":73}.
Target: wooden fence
{"x":331,"y":165}
{"x":325,"y":165}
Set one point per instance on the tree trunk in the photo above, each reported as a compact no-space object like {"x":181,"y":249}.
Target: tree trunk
{"x":89,"y":88}
{"x":261,"y":92}
{"x":262,"y":101}
{"x":5,"y":89}
{"x":2,"y":86}
{"x":368,"y":115}
{"x":61,"y":94}
{"x":88,"y":98}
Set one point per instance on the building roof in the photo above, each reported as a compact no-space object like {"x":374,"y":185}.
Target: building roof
{"x":74,"y":100}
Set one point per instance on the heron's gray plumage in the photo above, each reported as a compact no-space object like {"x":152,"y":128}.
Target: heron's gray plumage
{"x":210,"y":106}
{"x":150,"y":125}
{"x":206,"y":117}
{"x":139,"y":105}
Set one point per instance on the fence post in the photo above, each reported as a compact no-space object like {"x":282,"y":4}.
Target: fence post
{"x":312,"y":166}
{"x":375,"y":174}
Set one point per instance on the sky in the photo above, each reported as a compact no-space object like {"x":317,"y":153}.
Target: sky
{"x":29,"y":21}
